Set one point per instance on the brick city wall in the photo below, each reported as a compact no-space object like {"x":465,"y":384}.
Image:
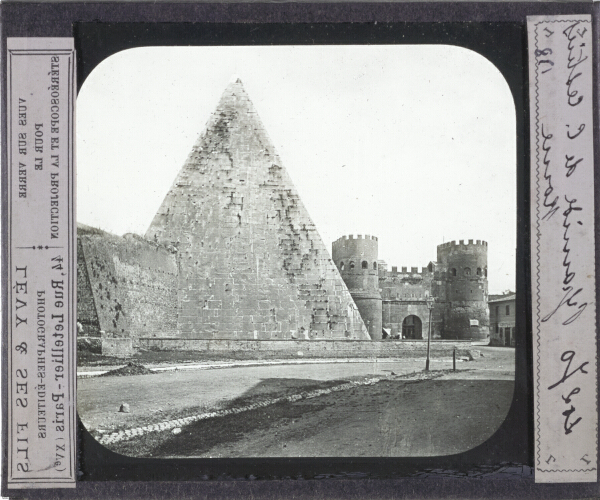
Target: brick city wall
{"x":129,"y":284}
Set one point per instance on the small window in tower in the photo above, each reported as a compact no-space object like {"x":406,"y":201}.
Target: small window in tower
{"x":351,"y":264}
{"x":467,"y":271}
{"x":341,"y":266}
{"x":507,"y":310}
{"x":485,"y":271}
{"x":453,"y":271}
{"x":365,"y":264}
{"x":374,"y":265}
{"x":478,"y":271}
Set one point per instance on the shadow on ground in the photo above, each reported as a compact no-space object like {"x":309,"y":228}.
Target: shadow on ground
{"x":392,"y":418}
{"x":270,"y":387}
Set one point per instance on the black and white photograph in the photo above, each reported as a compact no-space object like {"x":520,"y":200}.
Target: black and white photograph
{"x":295,"y":251}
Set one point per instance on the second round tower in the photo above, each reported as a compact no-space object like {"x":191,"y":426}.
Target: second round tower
{"x":463,"y":290}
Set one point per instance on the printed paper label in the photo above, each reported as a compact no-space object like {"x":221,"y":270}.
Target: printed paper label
{"x":41,"y":263}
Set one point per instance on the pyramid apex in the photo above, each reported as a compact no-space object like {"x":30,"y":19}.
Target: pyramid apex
{"x":235,"y":79}
{"x":234,"y":87}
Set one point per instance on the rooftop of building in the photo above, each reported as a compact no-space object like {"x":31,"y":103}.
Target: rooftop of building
{"x":502,"y":297}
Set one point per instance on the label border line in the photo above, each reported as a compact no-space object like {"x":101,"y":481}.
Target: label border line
{"x":70,"y":337}
{"x":537,"y":430}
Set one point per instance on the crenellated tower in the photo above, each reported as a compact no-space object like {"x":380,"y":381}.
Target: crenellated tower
{"x":356,"y":260}
{"x":461,"y":289}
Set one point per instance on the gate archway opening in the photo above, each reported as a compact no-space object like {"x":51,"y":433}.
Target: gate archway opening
{"x":412,"y":327}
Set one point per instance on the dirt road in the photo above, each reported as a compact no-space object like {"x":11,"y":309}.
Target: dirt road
{"x":392,"y":419}
{"x":448,"y":412}
{"x":161,"y":396}
{"x":438,"y":416}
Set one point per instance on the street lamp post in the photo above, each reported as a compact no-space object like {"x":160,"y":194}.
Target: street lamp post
{"x":430,"y":301}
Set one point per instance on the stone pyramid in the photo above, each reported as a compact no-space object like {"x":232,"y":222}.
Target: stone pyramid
{"x":251,"y":262}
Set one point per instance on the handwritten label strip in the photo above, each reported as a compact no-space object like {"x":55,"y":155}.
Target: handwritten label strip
{"x":562,"y":248}
{"x":42,"y":263}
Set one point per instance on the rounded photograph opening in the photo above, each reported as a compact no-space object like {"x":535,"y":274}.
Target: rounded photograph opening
{"x":244,"y":215}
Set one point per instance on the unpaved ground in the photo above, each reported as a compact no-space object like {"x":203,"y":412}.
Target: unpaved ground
{"x":438,"y":416}
{"x":162,"y":396}
{"x":392,"y":418}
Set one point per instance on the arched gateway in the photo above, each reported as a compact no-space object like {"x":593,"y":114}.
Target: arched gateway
{"x":412,"y":327}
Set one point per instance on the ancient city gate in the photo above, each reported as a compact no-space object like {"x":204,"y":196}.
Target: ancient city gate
{"x":412,"y":327}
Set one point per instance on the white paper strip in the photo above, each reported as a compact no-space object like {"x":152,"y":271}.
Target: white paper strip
{"x":562,"y":248}
{"x":41,"y":263}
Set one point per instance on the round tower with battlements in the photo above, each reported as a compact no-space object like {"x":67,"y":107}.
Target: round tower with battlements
{"x":462,"y":291}
{"x":356,"y":259}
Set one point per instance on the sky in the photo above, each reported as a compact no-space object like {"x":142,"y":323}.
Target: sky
{"x":413,"y":144}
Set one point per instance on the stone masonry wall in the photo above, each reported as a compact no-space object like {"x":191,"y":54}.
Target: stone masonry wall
{"x":118,"y":347}
{"x":395,"y":312}
{"x":462,"y":272}
{"x":356,"y":260}
{"x":251,"y":262}
{"x":132,"y":284}
{"x":264,"y":349}
{"x":404,"y":294}
{"x":86,"y":306}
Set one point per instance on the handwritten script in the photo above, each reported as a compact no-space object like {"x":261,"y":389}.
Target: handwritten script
{"x":562,"y":211}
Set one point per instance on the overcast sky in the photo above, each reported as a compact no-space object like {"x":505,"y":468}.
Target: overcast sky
{"x":413,"y":144}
